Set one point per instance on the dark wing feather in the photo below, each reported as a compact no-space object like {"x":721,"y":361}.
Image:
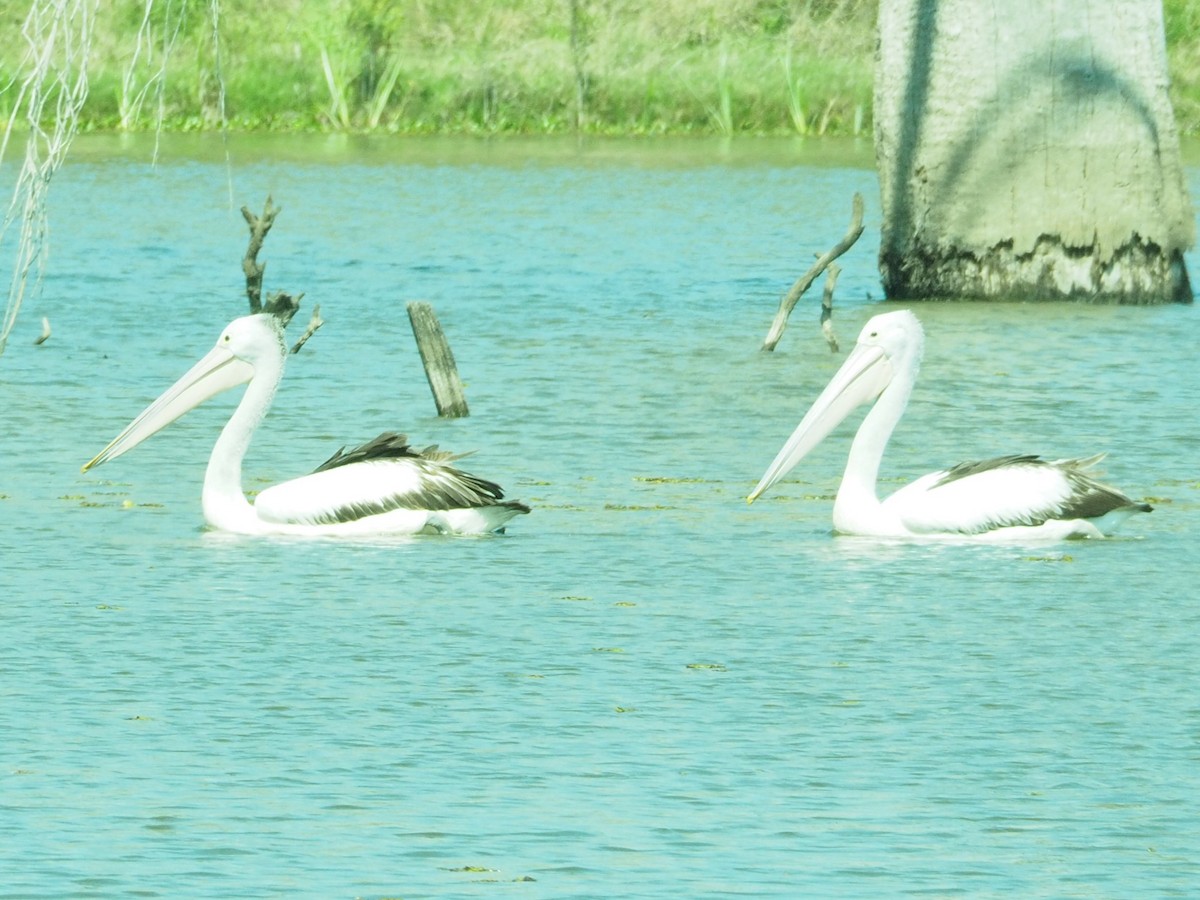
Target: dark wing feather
{"x":441,"y":487}
{"x":445,"y":487}
{"x":387,"y":445}
{"x":1091,"y":499}
{"x":967,"y":469}
{"x":432,"y":484}
{"x":1086,"y":497}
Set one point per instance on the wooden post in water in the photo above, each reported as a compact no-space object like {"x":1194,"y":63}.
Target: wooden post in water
{"x":439,"y":364}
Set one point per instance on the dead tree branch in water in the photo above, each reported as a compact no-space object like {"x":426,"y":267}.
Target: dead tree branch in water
{"x":805,"y":281}
{"x":315,"y":321}
{"x":283,"y":306}
{"x":280,"y":304}
{"x":259,"y":226}
{"x":831,"y":278}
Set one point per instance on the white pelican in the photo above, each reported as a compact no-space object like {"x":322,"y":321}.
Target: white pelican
{"x":1007,"y":497}
{"x":382,"y":487}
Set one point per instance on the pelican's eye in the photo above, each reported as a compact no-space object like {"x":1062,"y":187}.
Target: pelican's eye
{"x":226,"y":339}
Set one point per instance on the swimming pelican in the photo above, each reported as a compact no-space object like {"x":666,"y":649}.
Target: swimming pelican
{"x":382,"y":487}
{"x":1006,"y":497}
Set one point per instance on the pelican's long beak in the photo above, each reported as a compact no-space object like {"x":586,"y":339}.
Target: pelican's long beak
{"x":219,"y":371}
{"x":861,"y":379}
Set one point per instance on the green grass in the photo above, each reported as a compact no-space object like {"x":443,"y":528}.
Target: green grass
{"x":1182,"y":25}
{"x":504,"y":66}
{"x":478,"y":66}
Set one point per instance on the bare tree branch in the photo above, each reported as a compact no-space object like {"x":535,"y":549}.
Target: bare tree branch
{"x":315,"y":321}
{"x":805,"y":281}
{"x":259,"y":226}
{"x":283,"y":306}
{"x":831,"y":277}
{"x":279,"y":304}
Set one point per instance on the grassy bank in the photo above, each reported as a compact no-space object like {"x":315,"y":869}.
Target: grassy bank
{"x":1182,"y":20}
{"x":511,"y":66}
{"x":467,"y":66}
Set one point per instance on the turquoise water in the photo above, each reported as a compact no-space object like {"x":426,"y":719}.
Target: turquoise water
{"x":646,"y":688}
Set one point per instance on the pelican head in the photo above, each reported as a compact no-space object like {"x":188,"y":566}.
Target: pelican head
{"x":889,"y":345}
{"x":246,"y":346}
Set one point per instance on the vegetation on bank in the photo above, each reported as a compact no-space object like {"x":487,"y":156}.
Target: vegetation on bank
{"x":500,"y":66}
{"x":475,"y":66}
{"x":1182,"y":21}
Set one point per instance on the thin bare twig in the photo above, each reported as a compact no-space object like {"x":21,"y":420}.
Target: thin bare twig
{"x":314,"y":322}
{"x":579,"y":50}
{"x":831,"y":277}
{"x":805,"y":281}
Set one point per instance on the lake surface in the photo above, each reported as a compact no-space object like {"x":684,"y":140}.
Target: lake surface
{"x":646,"y":688}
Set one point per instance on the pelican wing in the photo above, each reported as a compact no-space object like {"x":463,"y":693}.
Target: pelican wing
{"x":388,"y":445}
{"x":378,"y":477}
{"x":976,"y":497}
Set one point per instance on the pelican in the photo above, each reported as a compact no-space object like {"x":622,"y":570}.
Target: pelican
{"x":381,"y":487}
{"x":1022,"y":497}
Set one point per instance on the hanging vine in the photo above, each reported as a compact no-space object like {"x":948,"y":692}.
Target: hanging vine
{"x":50,"y":89}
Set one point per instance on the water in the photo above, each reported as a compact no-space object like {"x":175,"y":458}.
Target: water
{"x":646,"y":688}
